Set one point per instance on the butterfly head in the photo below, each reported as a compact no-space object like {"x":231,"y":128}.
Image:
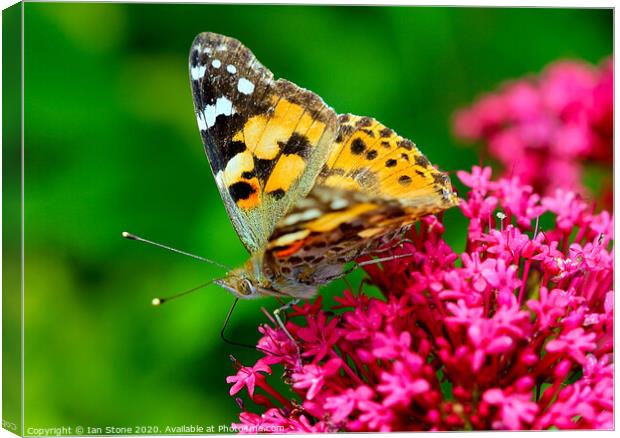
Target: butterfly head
{"x":248,"y":281}
{"x":241,"y":284}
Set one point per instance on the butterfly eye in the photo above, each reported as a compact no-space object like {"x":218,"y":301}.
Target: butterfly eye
{"x":246,"y":287}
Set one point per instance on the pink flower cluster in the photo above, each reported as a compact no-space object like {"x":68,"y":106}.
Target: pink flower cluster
{"x":542,"y":129}
{"x":514,"y":332}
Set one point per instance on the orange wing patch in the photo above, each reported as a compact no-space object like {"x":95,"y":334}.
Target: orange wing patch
{"x":277,"y":146}
{"x":288,"y":169}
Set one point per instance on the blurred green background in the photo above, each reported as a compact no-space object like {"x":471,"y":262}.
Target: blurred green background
{"x":112,"y":145}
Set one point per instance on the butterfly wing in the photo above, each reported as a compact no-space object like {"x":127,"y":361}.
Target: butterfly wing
{"x":370,"y":158}
{"x":330,"y":228}
{"x":266,"y":140}
{"x":374,"y":185}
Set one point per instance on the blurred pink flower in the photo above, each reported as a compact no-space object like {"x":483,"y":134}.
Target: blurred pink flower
{"x":543,"y":129}
{"x":514,"y":332}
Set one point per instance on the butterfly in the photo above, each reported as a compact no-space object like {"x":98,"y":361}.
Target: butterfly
{"x":307,"y":190}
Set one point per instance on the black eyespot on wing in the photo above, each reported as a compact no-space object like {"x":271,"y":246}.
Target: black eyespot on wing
{"x":406,"y":144}
{"x":404,"y":180}
{"x":263,"y":168}
{"x":371,"y":155}
{"x":229,"y":150}
{"x":358,"y":146}
{"x":277,"y":194}
{"x":386,"y":132}
{"x":422,"y":161}
{"x":440,"y":178}
{"x":368,"y":132}
{"x":297,"y":144}
{"x":391,"y":162}
{"x":364,"y":122}
{"x":344,"y":132}
{"x":241,"y":190}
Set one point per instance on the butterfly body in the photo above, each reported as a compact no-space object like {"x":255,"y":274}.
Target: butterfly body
{"x":307,"y":190}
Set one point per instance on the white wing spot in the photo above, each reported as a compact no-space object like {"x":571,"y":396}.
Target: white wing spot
{"x":338,"y":204}
{"x":231,"y":69}
{"x":223,"y":106}
{"x":244,"y":86}
{"x":209,"y":115}
{"x":307,"y":215}
{"x":198,"y":72}
{"x":216,"y":63}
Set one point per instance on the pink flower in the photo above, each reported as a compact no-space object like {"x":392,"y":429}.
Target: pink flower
{"x":401,"y":384}
{"x":569,"y":209}
{"x":362,"y":322}
{"x":516,"y":411}
{"x":312,"y":377}
{"x":543,"y":129}
{"x":247,"y":377}
{"x":512,"y":331}
{"x":341,"y":406}
{"x":550,"y":307}
{"x":318,"y":336}
{"x":390,"y":346}
{"x":576,"y":343}
{"x":277,"y":342}
{"x":479,"y":179}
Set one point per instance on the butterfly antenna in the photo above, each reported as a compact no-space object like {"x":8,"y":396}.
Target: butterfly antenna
{"x":130,"y":236}
{"x":159,"y":301}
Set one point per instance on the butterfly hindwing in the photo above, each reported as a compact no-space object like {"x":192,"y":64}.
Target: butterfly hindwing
{"x":266,"y":139}
{"x":325,"y":231}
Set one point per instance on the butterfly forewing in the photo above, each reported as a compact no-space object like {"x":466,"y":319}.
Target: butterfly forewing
{"x":266,"y":140}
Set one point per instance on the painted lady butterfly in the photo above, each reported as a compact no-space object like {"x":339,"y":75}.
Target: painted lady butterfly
{"x":307,"y":190}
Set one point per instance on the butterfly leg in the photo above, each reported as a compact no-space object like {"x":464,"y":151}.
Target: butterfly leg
{"x":382,"y":259}
{"x":397,"y":245}
{"x":276,"y":315}
{"x":364,"y":281}
{"x":348,"y":283}
{"x":370,"y":262}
